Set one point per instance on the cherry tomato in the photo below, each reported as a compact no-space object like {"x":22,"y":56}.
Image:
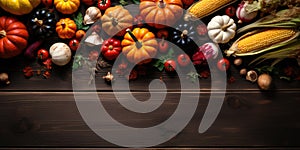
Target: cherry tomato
{"x":103,"y":4}
{"x":163,"y":46}
{"x":74,"y":44}
{"x":47,"y":3}
{"x":79,"y":34}
{"x":170,"y":65}
{"x":202,"y":29}
{"x":163,"y":33}
{"x":187,"y":2}
{"x":88,"y":2}
{"x":223,"y":64}
{"x":183,"y":60}
{"x":42,"y":54}
{"x":230,"y":11}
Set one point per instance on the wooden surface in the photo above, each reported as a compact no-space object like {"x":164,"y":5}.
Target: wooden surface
{"x":39,"y":112}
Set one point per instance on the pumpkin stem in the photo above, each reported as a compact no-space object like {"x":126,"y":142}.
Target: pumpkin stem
{"x":38,"y":22}
{"x":225,"y":27}
{"x":184,"y":33}
{"x":138,"y":43}
{"x":63,"y":24}
{"x":2,"y":33}
{"x":65,"y":0}
{"x":114,"y":22}
{"x":161,"y":4}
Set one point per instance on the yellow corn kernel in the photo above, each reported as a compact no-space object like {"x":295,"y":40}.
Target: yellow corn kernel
{"x":264,"y":39}
{"x":205,"y":7}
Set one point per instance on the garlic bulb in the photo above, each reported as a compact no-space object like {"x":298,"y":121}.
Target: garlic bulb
{"x":221,"y":29}
{"x":94,"y":39}
{"x":60,"y":53}
{"x":92,"y":14}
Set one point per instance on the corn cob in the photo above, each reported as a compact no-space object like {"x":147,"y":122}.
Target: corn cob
{"x":204,"y":8}
{"x":258,"y":42}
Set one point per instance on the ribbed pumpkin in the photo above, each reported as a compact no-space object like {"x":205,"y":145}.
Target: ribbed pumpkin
{"x":66,"y":28}
{"x":13,"y":37}
{"x":42,"y":23}
{"x":161,"y":13}
{"x":19,"y":7}
{"x":115,"y":20}
{"x":67,"y":6}
{"x":139,"y":46}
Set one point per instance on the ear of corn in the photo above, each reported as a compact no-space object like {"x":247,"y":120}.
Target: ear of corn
{"x":205,"y":7}
{"x":261,"y":41}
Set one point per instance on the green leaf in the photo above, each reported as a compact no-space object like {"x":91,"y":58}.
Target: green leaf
{"x":123,"y":2}
{"x":136,"y":1}
{"x":79,"y":22}
{"x":159,"y":64}
{"x":193,"y":76}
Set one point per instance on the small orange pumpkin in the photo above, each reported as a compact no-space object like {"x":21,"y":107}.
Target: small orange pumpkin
{"x":67,"y":6}
{"x":139,"y":46}
{"x":66,"y":28}
{"x":115,"y":20}
{"x":161,"y":13}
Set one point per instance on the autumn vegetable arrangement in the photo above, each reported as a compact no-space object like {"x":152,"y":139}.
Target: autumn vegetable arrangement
{"x":259,"y":38}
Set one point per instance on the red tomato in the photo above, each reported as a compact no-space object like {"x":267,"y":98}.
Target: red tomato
{"x":88,"y":2}
{"x":103,"y":4}
{"x":230,"y":11}
{"x":202,"y":29}
{"x":42,"y":54}
{"x":74,"y":44}
{"x":170,"y":65}
{"x":163,"y":46}
{"x":223,"y":64}
{"x":187,"y":2}
{"x":163,"y":33}
{"x":111,"y":48}
{"x":47,"y":3}
{"x":183,"y":60}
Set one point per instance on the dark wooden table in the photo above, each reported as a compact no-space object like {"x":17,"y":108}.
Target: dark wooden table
{"x":37,"y":112}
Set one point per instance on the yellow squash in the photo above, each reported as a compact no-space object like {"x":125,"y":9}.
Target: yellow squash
{"x":19,"y":7}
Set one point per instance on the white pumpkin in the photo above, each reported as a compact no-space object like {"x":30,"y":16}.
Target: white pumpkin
{"x":60,"y":53}
{"x":221,"y":29}
{"x":92,"y":14}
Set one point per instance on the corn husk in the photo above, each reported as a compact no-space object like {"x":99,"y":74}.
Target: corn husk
{"x":287,"y":18}
{"x":290,"y":51}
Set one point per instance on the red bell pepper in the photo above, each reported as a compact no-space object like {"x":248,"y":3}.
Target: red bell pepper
{"x":111,"y":48}
{"x":103,"y":4}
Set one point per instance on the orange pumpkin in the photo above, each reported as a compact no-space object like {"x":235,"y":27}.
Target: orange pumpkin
{"x":115,"y":20}
{"x":67,"y":6}
{"x":139,"y":46}
{"x":161,"y":13}
{"x":13,"y":37}
{"x":66,"y":28}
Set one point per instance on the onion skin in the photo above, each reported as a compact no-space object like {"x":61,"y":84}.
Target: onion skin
{"x":264,"y":81}
{"x":31,"y":50}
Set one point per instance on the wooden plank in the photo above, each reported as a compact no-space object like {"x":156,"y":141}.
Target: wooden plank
{"x":52,"y":119}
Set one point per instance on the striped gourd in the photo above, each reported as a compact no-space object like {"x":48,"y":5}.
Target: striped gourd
{"x":204,"y":8}
{"x":258,"y":42}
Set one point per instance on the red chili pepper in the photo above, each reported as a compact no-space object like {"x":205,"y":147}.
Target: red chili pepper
{"x":103,"y":4}
{"x":111,"y":48}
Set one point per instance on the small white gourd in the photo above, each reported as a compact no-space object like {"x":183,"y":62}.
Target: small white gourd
{"x":60,"y":53}
{"x":92,"y":14}
{"x":221,"y":29}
